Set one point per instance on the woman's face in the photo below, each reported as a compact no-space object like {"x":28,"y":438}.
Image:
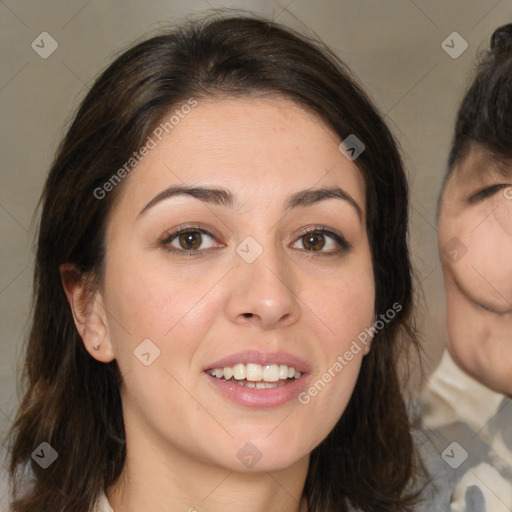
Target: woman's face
{"x":475,"y":237}
{"x":243,"y":287}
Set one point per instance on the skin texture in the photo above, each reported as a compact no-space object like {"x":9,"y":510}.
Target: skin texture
{"x":182,"y":435}
{"x":475,"y":237}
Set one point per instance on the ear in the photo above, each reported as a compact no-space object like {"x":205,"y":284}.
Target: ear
{"x":88,"y":311}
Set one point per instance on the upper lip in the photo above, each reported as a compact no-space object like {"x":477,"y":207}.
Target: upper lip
{"x":254,"y":356}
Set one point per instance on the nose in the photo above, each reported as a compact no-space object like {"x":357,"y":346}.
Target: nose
{"x":264,"y":291}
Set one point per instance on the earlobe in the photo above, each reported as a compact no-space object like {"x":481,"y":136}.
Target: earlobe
{"x":368,"y":338}
{"x":367,"y":346}
{"x":88,"y":312}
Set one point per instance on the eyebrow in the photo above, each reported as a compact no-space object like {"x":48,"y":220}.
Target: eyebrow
{"x":224,"y":197}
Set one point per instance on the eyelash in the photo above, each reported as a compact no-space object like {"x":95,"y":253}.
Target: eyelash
{"x":486,"y":193}
{"x":345,"y":246}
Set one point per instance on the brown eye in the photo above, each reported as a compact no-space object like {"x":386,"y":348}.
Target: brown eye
{"x":188,"y":241}
{"x":314,"y":241}
{"x":324,"y":242}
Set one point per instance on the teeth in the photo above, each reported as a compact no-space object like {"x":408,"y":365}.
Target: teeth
{"x":260,"y":385}
{"x":256,"y":376}
{"x":271,"y":373}
{"x":253,"y":372}
{"x":239,"y":371}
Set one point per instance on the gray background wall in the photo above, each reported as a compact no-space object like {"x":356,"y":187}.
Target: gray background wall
{"x":394,"y":47}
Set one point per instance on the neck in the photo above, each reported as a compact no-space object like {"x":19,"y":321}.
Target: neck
{"x":161,"y":478}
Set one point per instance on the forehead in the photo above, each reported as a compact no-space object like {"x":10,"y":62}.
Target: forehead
{"x":479,"y":164}
{"x":253,"y":129}
{"x":262,"y":146}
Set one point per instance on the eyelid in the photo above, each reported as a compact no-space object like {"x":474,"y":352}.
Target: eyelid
{"x":486,"y":192}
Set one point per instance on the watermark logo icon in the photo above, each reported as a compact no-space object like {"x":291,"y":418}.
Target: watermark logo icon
{"x":44,"y":45}
{"x":45,"y":455}
{"x":454,"y":45}
{"x":454,"y":250}
{"x":146,"y":352}
{"x":351,"y":147}
{"x":249,"y":455}
{"x":454,"y":455}
{"x":249,"y":249}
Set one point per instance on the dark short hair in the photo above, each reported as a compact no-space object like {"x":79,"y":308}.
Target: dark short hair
{"x":484,"y":118}
{"x":72,"y":401}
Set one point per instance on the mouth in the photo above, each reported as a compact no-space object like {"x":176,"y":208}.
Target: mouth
{"x":257,"y":380}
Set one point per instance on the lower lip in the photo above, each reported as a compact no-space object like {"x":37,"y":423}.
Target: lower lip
{"x":259,"y":398}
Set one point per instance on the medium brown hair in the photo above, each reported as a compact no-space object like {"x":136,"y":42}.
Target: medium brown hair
{"x":72,"y":401}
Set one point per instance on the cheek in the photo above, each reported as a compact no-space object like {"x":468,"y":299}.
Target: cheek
{"x":485,"y":272}
{"x":491,"y":262}
{"x":503,"y":215}
{"x":148,"y":299}
{"x":343,"y":318}
{"x":346,"y":302}
{"x":475,"y":248}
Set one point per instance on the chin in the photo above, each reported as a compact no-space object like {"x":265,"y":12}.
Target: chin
{"x":262,"y":455}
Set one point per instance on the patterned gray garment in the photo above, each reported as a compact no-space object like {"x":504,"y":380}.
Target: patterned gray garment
{"x":466,"y":444}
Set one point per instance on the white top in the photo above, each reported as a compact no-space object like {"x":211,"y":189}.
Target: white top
{"x":102,"y":505}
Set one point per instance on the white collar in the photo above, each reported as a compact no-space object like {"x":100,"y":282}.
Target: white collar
{"x":102,"y":505}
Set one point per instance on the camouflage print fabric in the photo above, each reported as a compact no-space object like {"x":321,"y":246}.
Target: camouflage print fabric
{"x":466,"y":444}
